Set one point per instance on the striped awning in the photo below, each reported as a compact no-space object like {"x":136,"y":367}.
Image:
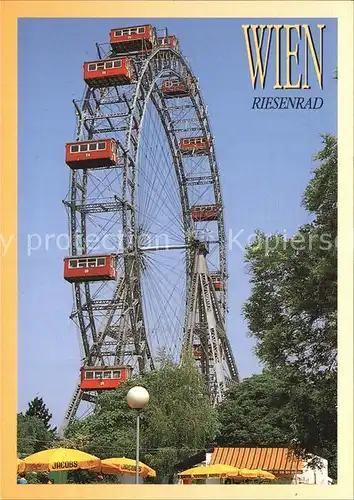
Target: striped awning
{"x":275,"y":460}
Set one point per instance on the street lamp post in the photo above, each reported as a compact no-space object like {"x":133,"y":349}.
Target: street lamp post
{"x":138,"y":397}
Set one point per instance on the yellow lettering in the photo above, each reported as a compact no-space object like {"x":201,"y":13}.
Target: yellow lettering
{"x":318,"y":64}
{"x":291,"y":53}
{"x":257,"y":67}
{"x":258,"y":54}
{"x":277,"y":85}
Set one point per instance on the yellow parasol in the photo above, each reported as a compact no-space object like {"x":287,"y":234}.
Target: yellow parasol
{"x":201,"y":472}
{"x":261,"y":474}
{"x":20,"y":465}
{"x":251,"y":474}
{"x":58,"y":459}
{"x":124,"y":465}
{"x":248,"y":473}
{"x":264,"y":474}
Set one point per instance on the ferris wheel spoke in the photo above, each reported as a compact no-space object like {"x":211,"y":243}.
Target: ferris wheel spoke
{"x":155,"y":164}
{"x":159,"y":265}
{"x":161,"y":205}
{"x":152,"y":311}
{"x":160,"y":190}
{"x":162,"y":293}
{"x":159,"y":228}
{"x":157,"y":198}
{"x":169,"y":320}
{"x":155,"y":265}
{"x":157,"y":204}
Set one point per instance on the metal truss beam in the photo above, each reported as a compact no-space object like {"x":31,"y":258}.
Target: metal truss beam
{"x":203,"y":179}
{"x":93,"y":208}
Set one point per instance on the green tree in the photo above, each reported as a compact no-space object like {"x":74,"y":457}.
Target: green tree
{"x":257,"y":412}
{"x":37,"y":408}
{"x":292,"y":314}
{"x":32,"y":435}
{"x":292,"y":310}
{"x":178,"y":421}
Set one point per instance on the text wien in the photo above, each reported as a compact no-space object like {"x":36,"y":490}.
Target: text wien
{"x":258,"y":60}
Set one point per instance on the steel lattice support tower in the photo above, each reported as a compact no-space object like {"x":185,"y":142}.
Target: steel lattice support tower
{"x":205,"y":329}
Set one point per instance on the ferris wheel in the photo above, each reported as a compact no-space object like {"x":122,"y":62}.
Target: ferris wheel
{"x":147,"y":258}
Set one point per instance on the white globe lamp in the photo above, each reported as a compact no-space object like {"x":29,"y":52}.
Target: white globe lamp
{"x":138,"y":397}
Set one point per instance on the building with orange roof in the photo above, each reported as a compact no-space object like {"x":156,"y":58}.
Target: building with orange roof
{"x":282,"y":462}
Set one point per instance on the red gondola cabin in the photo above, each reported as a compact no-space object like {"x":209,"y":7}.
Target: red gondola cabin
{"x":132,"y":39}
{"x":108,"y":72}
{"x":90,"y":268}
{"x":174,"y":88}
{"x":91,"y":154}
{"x":198,"y":353}
{"x":205,"y":213}
{"x":194,"y":145}
{"x":168,"y":41}
{"x":97,"y":378}
{"x":215,"y":278}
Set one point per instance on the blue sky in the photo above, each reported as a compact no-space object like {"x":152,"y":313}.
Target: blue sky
{"x":265,"y":160}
